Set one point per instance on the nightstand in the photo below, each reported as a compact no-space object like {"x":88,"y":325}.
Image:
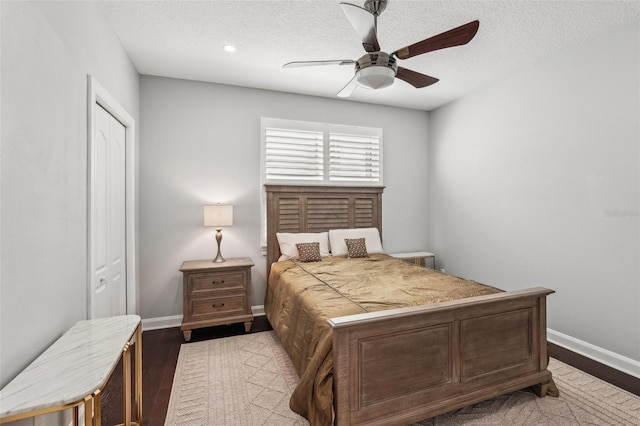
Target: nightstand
{"x":417,"y":257}
{"x":216,"y":294}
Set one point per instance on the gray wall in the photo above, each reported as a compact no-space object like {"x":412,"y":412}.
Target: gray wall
{"x":535,"y":182}
{"x":200,"y":144}
{"x":47,"y":51}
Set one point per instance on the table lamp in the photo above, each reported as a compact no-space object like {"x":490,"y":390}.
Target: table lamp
{"x":218,"y":216}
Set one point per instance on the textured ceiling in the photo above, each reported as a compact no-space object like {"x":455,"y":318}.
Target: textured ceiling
{"x":184,"y":39}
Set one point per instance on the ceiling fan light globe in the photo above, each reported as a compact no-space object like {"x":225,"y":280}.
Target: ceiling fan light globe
{"x":376,"y":77}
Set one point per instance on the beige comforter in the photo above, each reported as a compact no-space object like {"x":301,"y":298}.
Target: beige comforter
{"x":302,"y":296}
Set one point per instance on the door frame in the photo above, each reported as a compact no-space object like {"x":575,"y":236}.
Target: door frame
{"x":97,"y":94}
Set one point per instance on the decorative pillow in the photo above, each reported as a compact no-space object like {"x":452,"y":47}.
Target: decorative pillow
{"x":370,"y":235}
{"x":287,"y":242}
{"x":309,"y":252}
{"x":356,"y":247}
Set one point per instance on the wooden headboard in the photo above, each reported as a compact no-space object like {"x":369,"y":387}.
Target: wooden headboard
{"x":319,"y":209}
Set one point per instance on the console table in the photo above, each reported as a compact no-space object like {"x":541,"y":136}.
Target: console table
{"x":73,"y":371}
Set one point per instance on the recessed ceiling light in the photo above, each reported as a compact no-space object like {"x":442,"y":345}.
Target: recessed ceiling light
{"x":229,"y":48}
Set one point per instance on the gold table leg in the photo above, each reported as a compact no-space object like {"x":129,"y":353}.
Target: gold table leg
{"x":88,"y":410}
{"x":97,"y":408}
{"x":138,"y":379}
{"x":126,"y":383}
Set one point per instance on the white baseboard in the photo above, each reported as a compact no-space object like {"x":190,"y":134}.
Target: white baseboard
{"x":601,"y":355}
{"x":161,"y":322}
{"x":257,"y":310}
{"x":175,"y":320}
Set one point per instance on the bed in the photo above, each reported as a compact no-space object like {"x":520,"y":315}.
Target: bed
{"x":361,"y":362}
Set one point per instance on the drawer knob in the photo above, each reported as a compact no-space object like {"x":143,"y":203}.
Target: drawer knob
{"x":214,"y":281}
{"x":217,"y":305}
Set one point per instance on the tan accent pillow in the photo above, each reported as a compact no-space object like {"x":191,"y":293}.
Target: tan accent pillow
{"x":356,"y":247}
{"x":309,"y":252}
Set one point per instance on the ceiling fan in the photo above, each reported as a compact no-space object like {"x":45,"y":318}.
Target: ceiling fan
{"x":377,"y":69}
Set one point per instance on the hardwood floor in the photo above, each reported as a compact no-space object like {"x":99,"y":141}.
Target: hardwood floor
{"x":160,"y":356}
{"x":601,"y":371}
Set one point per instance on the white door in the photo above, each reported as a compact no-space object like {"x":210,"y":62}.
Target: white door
{"x":108,"y":240}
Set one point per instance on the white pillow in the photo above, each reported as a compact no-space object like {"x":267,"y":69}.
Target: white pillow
{"x":288,"y":241}
{"x":371,"y":239}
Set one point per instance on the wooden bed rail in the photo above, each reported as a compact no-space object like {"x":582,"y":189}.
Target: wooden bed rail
{"x":404,"y":365}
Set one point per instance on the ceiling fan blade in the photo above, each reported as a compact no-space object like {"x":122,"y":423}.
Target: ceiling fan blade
{"x":316,"y":63}
{"x":455,"y":37}
{"x":349,"y":88}
{"x":364,"y":22}
{"x":415,"y":79}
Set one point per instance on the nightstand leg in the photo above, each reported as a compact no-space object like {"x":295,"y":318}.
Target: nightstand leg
{"x":187,"y":335}
{"x":247,"y":326}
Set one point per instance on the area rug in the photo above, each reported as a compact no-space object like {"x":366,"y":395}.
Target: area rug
{"x":246,"y":380}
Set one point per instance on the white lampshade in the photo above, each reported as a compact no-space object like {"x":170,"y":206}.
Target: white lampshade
{"x":376,"y":77}
{"x":218,"y":215}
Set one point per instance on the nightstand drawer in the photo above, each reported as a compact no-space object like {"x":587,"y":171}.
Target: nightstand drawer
{"x":199,"y":284}
{"x":219,"y":306}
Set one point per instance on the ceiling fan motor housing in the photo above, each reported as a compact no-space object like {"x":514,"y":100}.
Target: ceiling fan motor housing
{"x":376,"y":70}
{"x":375,"y":6}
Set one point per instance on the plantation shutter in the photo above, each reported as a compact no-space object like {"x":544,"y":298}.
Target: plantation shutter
{"x":293,"y":154}
{"x":310,"y":153}
{"x":354,"y":158}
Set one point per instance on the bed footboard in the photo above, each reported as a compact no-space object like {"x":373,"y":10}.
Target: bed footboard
{"x":403,"y":365}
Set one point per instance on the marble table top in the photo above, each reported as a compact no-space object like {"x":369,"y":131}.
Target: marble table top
{"x":76,"y":365}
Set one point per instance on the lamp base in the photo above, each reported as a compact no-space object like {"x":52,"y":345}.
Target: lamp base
{"x":219,"y":258}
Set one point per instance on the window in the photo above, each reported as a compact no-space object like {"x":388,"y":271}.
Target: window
{"x":308,"y":153}
{"x":298,"y":152}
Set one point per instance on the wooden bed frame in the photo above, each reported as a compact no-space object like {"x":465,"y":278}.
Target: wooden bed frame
{"x":403,"y":365}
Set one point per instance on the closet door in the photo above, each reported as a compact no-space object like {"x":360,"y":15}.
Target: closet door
{"x":108,"y":217}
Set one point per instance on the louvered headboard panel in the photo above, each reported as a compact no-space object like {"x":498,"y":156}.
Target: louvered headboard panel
{"x":319,"y":209}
